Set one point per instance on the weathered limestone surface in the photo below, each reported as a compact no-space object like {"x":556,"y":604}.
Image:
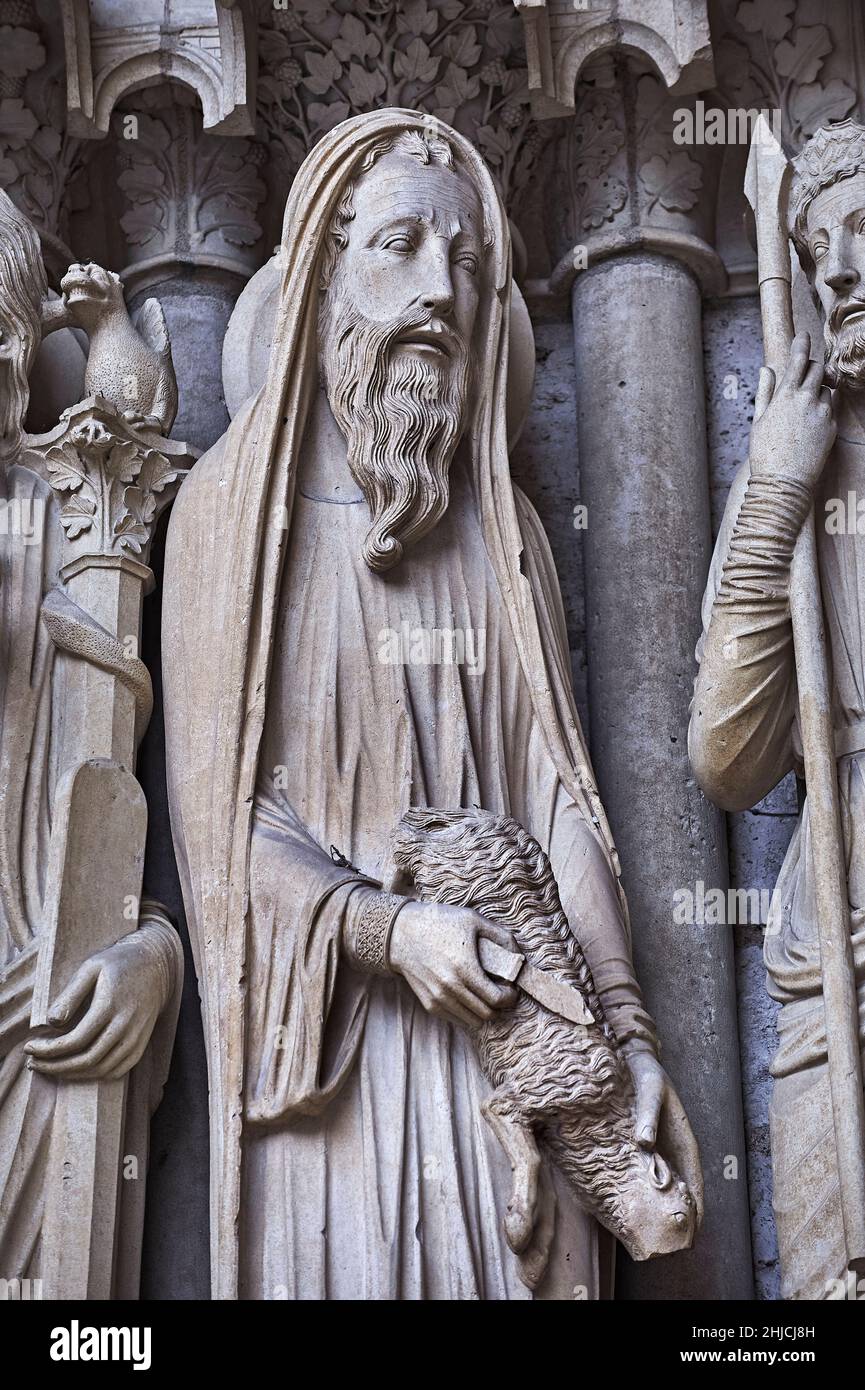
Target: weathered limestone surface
{"x":348,"y":967}
{"x":646,"y":486}
{"x":779,"y":689}
{"x":165,"y":151}
{"x":91,"y":968}
{"x":545,"y":466}
{"x":757,"y":839}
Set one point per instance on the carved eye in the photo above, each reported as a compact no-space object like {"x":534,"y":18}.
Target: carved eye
{"x":402,"y":244}
{"x":468,"y":262}
{"x":819,"y":249}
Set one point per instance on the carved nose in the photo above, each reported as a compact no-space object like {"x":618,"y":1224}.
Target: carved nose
{"x":842,"y":277}
{"x":441,"y":303}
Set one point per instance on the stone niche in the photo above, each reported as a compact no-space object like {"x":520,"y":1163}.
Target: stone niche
{"x":162,"y":140}
{"x":111,"y":51}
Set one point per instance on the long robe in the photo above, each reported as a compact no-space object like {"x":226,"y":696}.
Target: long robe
{"x":396,"y":1189}
{"x":804,"y":1169}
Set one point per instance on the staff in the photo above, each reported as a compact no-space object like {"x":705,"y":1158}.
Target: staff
{"x":767,"y":183}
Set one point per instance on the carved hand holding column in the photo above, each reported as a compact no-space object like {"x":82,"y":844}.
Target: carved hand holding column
{"x":112,"y":484}
{"x":89,"y":988}
{"x":758,"y":692}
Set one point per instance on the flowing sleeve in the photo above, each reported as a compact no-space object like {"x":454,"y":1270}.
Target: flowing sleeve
{"x":584,"y":866}
{"x":743,"y":714}
{"x":590,"y":900}
{"x":306,"y":1002}
{"x":159,"y":938}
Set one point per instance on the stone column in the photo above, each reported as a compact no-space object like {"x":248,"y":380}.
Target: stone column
{"x":642,"y":446}
{"x":639,"y":210}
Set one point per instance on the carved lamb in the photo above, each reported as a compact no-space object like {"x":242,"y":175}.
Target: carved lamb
{"x":556,"y":1081}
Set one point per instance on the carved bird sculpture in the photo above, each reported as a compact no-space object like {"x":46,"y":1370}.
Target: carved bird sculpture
{"x":129,"y":363}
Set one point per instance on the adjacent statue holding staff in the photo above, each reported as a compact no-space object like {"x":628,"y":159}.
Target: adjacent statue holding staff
{"x":755,"y":714}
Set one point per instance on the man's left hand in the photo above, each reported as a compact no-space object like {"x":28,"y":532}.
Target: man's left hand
{"x":122,"y":988}
{"x":660,"y":1115}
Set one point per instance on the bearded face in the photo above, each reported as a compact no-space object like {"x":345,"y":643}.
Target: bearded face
{"x":835,"y":222}
{"x":845,"y":345}
{"x":401,"y":411}
{"x":14,"y":386}
{"x":395,"y":333}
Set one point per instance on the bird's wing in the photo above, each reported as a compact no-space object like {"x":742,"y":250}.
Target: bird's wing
{"x":150,"y":324}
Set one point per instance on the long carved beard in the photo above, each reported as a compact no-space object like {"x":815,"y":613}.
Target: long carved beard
{"x":402,"y":419}
{"x":14,"y":398}
{"x":845,"y":356}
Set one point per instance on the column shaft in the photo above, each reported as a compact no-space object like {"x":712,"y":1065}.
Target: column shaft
{"x":642,"y":450}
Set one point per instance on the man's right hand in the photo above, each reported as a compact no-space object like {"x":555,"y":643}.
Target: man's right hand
{"x":794,"y":423}
{"x":434,"y":946}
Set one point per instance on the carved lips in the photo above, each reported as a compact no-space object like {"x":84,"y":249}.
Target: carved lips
{"x":432,"y":340}
{"x":854,"y":309}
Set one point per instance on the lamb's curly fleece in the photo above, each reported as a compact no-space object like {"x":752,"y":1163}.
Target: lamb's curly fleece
{"x":566,"y":1081}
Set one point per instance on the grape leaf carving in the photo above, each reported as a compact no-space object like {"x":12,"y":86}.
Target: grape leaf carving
{"x":460,"y":60}
{"x":673,"y":182}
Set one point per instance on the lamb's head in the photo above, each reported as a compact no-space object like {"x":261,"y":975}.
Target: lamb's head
{"x":632,"y":1191}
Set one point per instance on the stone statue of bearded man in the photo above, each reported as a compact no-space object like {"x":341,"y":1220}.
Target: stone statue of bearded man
{"x":807,"y":448}
{"x":366,"y":491}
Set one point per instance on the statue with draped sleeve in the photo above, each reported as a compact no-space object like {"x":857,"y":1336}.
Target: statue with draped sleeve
{"x":807,"y":449}
{"x":111,"y":1024}
{"x":359,"y":507}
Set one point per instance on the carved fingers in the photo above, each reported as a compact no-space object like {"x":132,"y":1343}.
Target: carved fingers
{"x":434,"y":946}
{"x":680,"y":1143}
{"x":661,"y":1120}
{"x":650,"y":1081}
{"x":765,"y":391}
{"x":120,"y":1003}
{"x":794,"y":423}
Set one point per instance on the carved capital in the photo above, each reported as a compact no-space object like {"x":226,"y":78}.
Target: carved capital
{"x":190,"y":197}
{"x":792,"y":58}
{"x":40,"y":161}
{"x":795,"y":59}
{"x":463,"y":61}
{"x":112,"y":481}
{"x":631,"y":186}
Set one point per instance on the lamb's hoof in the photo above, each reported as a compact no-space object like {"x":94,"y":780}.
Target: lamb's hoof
{"x":519,"y":1224}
